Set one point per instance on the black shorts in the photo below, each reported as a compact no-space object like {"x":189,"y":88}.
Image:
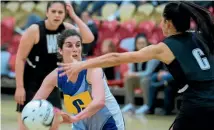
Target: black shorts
{"x":196,"y":119}
{"x":54,"y":98}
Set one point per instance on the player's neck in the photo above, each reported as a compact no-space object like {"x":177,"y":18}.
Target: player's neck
{"x":49,"y":26}
{"x":174,"y":33}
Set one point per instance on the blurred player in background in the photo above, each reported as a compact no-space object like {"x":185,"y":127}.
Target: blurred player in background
{"x":89,"y":98}
{"x":37,"y":53}
{"x":189,"y":56}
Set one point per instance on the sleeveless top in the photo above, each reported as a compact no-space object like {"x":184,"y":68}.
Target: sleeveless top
{"x":194,"y":67}
{"x":42,"y":58}
{"x":78,"y":95}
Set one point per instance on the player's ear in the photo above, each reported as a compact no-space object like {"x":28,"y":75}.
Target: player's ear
{"x":60,"y":51}
{"x":170,"y":24}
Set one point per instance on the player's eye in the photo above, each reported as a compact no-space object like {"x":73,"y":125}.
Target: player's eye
{"x":60,"y":12}
{"x":53,"y":11}
{"x":77,"y":45}
{"x":69,"y":45}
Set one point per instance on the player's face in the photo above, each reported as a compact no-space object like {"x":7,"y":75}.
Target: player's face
{"x":56,"y":14}
{"x":141,"y":43}
{"x":72,"y":48}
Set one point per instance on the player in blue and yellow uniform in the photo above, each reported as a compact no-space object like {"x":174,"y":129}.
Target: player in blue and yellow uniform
{"x":189,"y":56}
{"x":86,"y":96}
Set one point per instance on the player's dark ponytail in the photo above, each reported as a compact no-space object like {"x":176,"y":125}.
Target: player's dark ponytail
{"x":181,"y":12}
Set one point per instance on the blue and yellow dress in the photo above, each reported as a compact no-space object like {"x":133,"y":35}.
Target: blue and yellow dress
{"x":78,"y":95}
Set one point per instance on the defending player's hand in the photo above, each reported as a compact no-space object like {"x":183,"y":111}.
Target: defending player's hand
{"x":20,"y":95}
{"x":70,"y":69}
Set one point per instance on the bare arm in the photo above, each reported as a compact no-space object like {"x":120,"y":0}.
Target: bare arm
{"x":95,"y":77}
{"x":160,"y":52}
{"x":85,"y":32}
{"x":27,"y":41}
{"x":26,"y":44}
{"x":47,"y":86}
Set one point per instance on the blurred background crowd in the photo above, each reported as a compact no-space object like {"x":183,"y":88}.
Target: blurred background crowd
{"x":118,"y":26}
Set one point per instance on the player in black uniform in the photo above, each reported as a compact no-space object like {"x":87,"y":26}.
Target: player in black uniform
{"x":37,"y":53}
{"x":189,"y":57}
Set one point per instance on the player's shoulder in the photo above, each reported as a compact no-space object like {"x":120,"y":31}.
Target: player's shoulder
{"x":94,"y":71}
{"x":34,"y":28}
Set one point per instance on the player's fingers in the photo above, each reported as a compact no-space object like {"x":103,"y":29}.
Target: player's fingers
{"x":63,"y":64}
{"x":62,"y":74}
{"x":22,"y":99}
{"x":68,"y":72}
{"x":55,"y":124}
{"x":15,"y":97}
{"x":19,"y":98}
{"x":66,"y":67}
{"x":63,"y":69}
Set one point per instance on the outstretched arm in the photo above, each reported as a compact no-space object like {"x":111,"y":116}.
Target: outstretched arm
{"x":160,"y":52}
{"x":115,"y":59}
{"x":47,"y":86}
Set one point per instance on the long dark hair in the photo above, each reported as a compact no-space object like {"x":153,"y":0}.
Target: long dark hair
{"x":52,"y":2}
{"x":182,"y":12}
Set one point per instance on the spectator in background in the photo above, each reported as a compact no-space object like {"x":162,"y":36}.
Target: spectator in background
{"x":5,"y":56}
{"x":138,"y":76}
{"x":108,"y":47}
{"x":162,"y":80}
{"x":116,"y":15}
{"x":97,"y":5}
{"x":89,"y":48}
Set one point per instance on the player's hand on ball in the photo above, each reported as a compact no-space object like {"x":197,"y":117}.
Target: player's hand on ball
{"x":67,"y":118}
{"x":56,"y":121}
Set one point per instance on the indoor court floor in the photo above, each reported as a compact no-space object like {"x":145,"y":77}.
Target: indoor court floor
{"x":133,"y":122}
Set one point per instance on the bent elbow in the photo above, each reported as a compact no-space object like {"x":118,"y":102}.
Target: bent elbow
{"x":101,"y":104}
{"x":89,"y":39}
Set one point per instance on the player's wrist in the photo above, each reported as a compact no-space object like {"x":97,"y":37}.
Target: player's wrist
{"x":82,"y":65}
{"x":72,"y":15}
{"x":19,"y":86}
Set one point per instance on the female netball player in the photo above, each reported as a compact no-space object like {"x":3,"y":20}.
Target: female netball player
{"x":37,"y":53}
{"x":188,"y":56}
{"x":89,"y":98}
